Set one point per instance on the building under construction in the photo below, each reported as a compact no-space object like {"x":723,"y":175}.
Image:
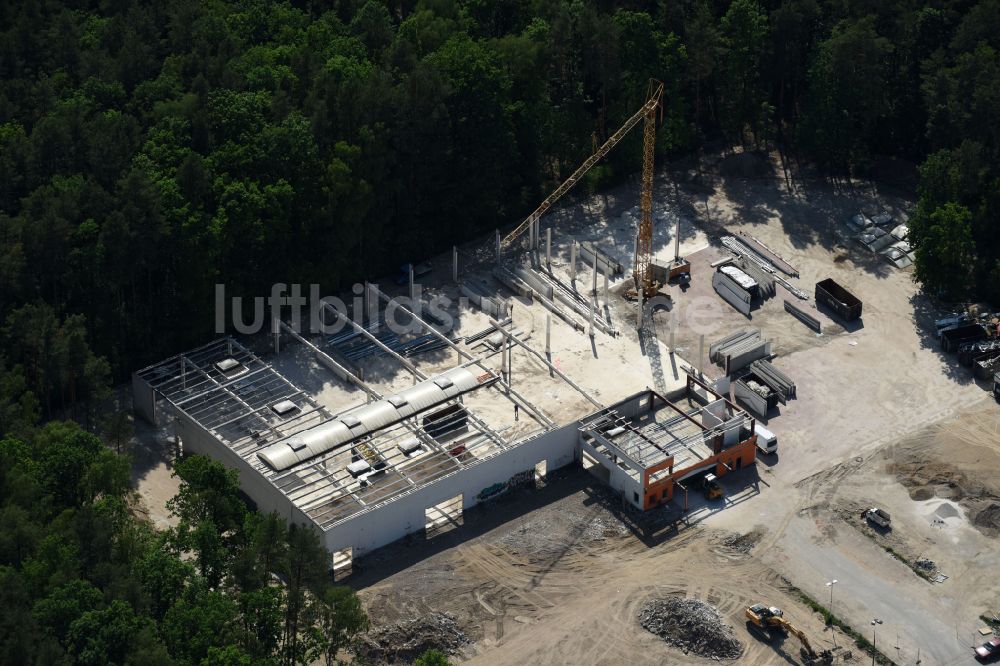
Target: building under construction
{"x":388,"y":428}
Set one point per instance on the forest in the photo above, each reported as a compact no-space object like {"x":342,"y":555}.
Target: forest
{"x":151,"y":150}
{"x":84,"y":581}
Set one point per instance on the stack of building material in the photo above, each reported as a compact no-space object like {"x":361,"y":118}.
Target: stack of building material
{"x":769,"y":255}
{"x":512,"y":282}
{"x":738,"y":350}
{"x":532,"y":279}
{"x":492,"y":305}
{"x":803,"y":316}
{"x":717,"y":347}
{"x":732,"y":290}
{"x":518,"y":285}
{"x":761,"y":387}
{"x":756,"y":395}
{"x":776,"y":379}
{"x":605,"y":263}
{"x":476,"y":337}
{"x":575,"y":301}
{"x":765,"y":281}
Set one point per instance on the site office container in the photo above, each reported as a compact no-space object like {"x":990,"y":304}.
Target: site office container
{"x":844,"y":303}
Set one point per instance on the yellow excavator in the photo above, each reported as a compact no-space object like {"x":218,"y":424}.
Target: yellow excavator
{"x":768,"y":618}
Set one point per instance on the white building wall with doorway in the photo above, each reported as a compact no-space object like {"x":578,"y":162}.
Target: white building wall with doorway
{"x":383,"y":524}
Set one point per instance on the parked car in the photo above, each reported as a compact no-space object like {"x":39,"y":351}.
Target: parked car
{"x":989,"y":651}
{"x":861,"y":221}
{"x":883,"y":219}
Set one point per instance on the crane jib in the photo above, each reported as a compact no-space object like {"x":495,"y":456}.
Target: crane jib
{"x":652,"y":103}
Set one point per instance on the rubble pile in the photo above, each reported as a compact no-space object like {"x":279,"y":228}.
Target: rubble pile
{"x":403,"y":642}
{"x":742,"y":543}
{"x":692,"y":626}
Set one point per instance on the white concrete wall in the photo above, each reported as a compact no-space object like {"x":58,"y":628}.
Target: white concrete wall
{"x":143,"y":399}
{"x":618,"y":479}
{"x":195,"y":439}
{"x":392,"y":521}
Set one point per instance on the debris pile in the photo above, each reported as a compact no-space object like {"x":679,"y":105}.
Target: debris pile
{"x":403,"y":642}
{"x":692,"y":626}
{"x":742,"y":543}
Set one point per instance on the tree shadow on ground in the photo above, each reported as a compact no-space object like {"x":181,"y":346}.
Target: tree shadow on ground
{"x":925,"y":312}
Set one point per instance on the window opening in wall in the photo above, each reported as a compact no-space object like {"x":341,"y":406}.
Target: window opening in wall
{"x":540,"y":471}
{"x":443,"y":517}
{"x":343,"y":563}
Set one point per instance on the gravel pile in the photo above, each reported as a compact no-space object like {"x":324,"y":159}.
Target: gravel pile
{"x":692,"y":626}
{"x":403,"y":642}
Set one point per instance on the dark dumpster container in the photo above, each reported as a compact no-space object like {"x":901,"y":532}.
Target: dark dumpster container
{"x":953,"y":338}
{"x":844,"y":303}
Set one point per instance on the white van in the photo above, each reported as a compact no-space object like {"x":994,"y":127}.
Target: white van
{"x":767,"y":441}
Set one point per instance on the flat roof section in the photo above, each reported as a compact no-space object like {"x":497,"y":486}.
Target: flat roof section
{"x":242,"y":402}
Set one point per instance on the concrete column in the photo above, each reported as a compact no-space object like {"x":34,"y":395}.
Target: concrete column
{"x":548,"y":332}
{"x":229,"y":346}
{"x":498,"y":246}
{"x":454,"y":264}
{"x":548,"y":248}
{"x":531,"y":236}
{"x":277,"y":338}
{"x":638,"y":312}
{"x":572,"y":262}
{"x":593,"y":287}
{"x":538,"y":233}
{"x":592,"y":299}
{"x":701,"y":351}
{"x":412,"y":295}
{"x":372,"y":303}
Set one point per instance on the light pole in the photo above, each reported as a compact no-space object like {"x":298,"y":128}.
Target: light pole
{"x":830,"y":585}
{"x":875,"y":623}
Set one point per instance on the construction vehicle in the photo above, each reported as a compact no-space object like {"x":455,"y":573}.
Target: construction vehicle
{"x":711,"y":487}
{"x":642,"y":267}
{"x":768,"y":619}
{"x":877,"y":517}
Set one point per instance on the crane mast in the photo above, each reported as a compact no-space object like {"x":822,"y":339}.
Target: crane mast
{"x":641,"y":272}
{"x":644,"y":237}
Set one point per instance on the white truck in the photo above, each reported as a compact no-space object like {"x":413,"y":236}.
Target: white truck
{"x":767,"y":441}
{"x":879,"y":517}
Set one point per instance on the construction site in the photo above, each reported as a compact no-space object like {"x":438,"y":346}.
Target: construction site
{"x":643,"y":426}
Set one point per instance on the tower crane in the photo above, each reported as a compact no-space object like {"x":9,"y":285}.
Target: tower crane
{"x":641,"y":273}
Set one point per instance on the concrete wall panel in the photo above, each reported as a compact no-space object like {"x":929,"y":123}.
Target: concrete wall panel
{"x":384,"y":524}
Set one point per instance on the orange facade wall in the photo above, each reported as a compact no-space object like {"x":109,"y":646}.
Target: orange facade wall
{"x":736,"y":457}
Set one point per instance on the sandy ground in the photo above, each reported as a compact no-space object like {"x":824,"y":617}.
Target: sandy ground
{"x":556,"y":576}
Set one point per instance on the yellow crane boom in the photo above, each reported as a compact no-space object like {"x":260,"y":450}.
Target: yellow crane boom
{"x":644,"y":237}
